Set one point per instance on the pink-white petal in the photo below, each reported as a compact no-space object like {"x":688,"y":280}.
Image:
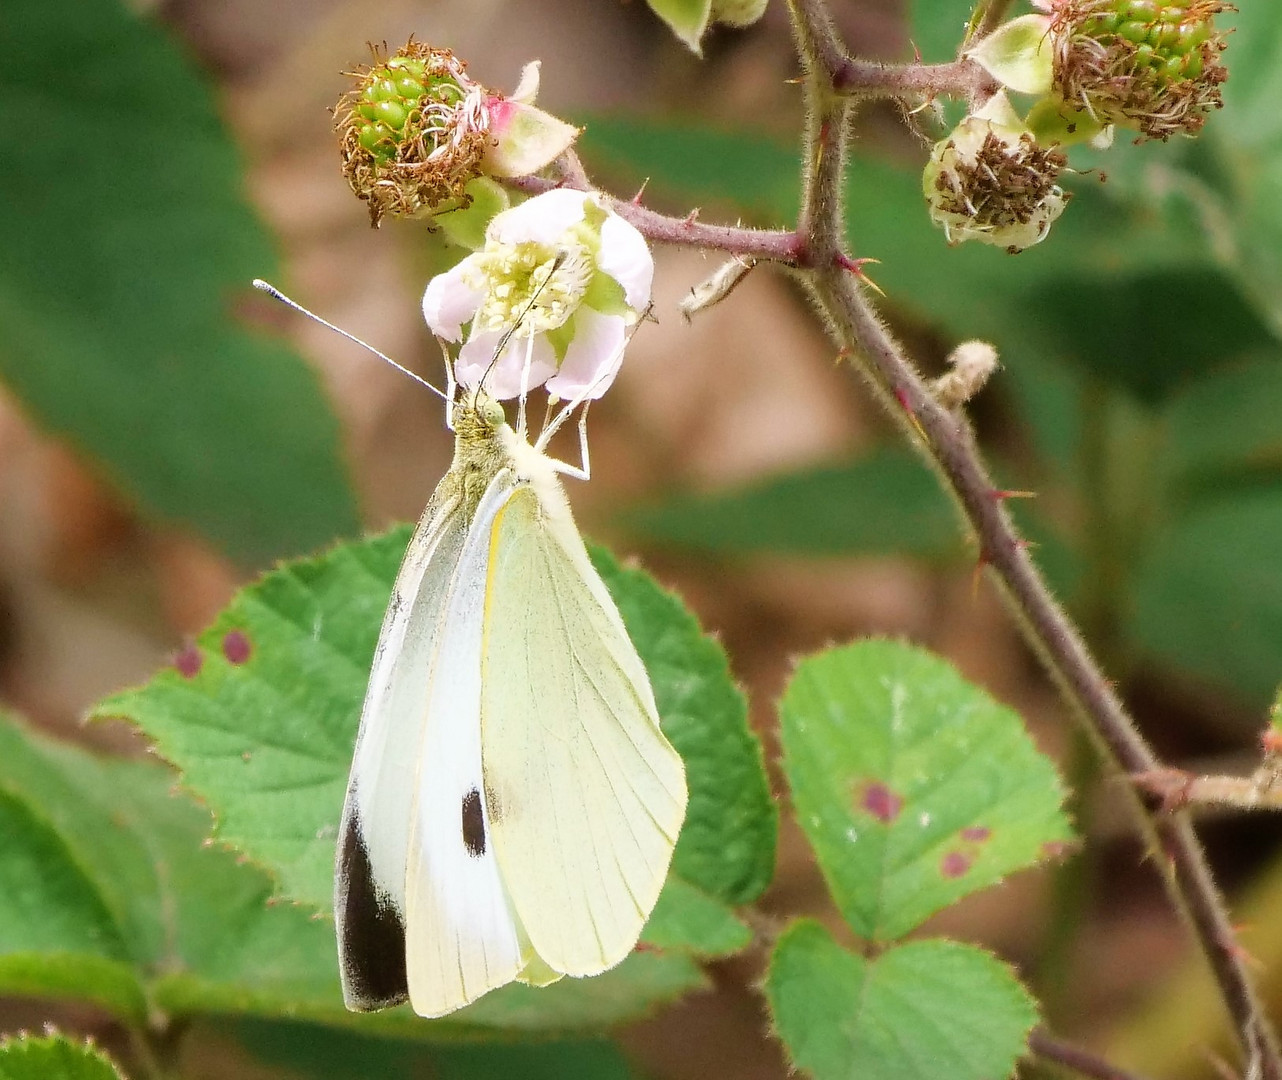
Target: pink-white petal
{"x":593,"y":357}
{"x":523,"y":139}
{"x":542,"y":219}
{"x":450,"y":301}
{"x":626,"y":257}
{"x":528,"y":88}
{"x":503,"y":380}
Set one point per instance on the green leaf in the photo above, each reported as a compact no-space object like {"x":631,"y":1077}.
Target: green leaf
{"x":533,"y":1061}
{"x":1149,"y":331}
{"x":914,"y":787}
{"x":53,"y":1058}
{"x":111,"y":985}
{"x":128,"y":244}
{"x":919,"y":1011}
{"x":1227,"y":423}
{"x":737,"y":170}
{"x":727,"y":845}
{"x":321,"y":1053}
{"x":1018,"y":54}
{"x":937,"y":27}
{"x":267,"y":741}
{"x":687,"y":18}
{"x":201,"y":934}
{"x":186,"y":915}
{"x":1208,"y":596}
{"x":643,"y":981}
{"x":685,"y":918}
{"x":1246,"y":140}
{"x":886,"y":503}
{"x":638,"y":986}
{"x":310,"y":629}
{"x":264,"y":730}
{"x":47,"y":903}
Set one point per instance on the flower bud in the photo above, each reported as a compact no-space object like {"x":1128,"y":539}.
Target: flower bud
{"x":1149,"y":65}
{"x":991,"y":181}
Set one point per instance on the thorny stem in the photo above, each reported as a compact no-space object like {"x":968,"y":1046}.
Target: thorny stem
{"x":848,"y":75}
{"x":779,"y":245}
{"x":868,"y":79}
{"x":948,"y":444}
{"x":1177,"y":789}
{"x":1048,"y":1048}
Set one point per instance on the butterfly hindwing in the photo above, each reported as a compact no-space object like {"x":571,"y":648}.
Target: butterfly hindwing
{"x":586,"y":796}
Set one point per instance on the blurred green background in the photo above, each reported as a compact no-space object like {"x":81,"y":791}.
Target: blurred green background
{"x":165,"y":433}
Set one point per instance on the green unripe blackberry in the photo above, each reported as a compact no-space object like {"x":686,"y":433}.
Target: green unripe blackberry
{"x":1150,"y":65}
{"x":413,"y":131}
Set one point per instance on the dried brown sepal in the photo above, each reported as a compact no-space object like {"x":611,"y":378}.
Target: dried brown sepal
{"x":412,"y":131}
{"x":1148,"y":65}
{"x":1000,"y":188}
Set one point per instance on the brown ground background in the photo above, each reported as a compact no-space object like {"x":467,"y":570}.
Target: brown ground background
{"x":92,"y":598}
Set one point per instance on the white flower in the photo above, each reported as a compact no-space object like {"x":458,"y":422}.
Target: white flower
{"x":566,"y":277}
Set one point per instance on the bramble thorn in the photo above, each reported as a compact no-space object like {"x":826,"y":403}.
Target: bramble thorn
{"x":901,"y":395}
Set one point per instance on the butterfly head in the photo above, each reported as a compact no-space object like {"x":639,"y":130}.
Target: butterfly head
{"x":478,"y":419}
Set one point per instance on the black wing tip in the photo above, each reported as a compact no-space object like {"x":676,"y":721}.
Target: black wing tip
{"x":356,"y":1003}
{"x":371,"y":936}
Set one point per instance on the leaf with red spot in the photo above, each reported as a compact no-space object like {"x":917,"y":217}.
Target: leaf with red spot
{"x":914,"y":787}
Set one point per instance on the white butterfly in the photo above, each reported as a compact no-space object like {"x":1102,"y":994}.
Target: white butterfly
{"x":513,"y":804}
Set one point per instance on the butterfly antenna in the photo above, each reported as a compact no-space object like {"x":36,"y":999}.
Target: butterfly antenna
{"x":276,"y":294}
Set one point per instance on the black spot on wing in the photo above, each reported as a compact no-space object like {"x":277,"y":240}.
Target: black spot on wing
{"x":473,"y":824}
{"x":371,"y":936}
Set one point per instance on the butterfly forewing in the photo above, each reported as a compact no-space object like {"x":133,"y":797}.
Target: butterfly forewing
{"x":369,"y":883}
{"x":461,"y":938}
{"x":586,"y":796}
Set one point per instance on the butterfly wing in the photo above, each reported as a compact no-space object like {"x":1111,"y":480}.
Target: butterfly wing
{"x":585,"y":794}
{"x":461,"y":938}
{"x":415,"y":807}
{"x":373,"y":842}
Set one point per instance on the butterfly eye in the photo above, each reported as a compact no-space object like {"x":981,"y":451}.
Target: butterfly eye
{"x":492,"y":413}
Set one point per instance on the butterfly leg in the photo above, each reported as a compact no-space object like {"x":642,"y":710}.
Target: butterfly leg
{"x":451,"y":386}
{"x":584,"y":470}
{"x":525,"y":384}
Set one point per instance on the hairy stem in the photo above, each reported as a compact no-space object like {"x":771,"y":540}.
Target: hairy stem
{"x":778,"y":245}
{"x":847,"y":75}
{"x":1075,"y":1058}
{"x":947,"y":442}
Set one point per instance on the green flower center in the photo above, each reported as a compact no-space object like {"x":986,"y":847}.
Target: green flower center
{"x":535,"y":284}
